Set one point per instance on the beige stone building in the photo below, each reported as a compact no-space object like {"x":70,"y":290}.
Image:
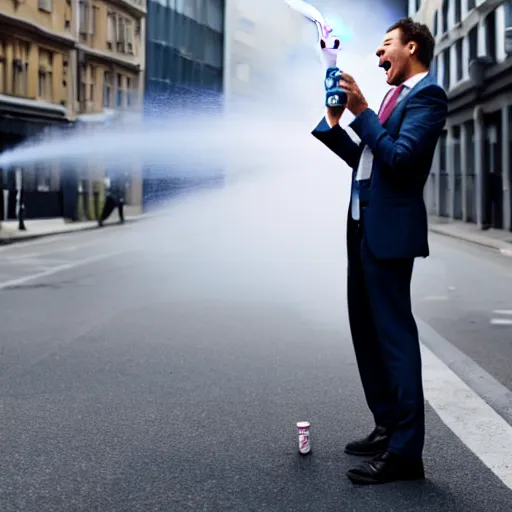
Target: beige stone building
{"x":110,"y":74}
{"x":66,"y":62}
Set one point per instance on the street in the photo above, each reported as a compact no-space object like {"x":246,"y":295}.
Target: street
{"x":140,"y":373}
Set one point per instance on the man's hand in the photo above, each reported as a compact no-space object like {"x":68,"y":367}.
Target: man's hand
{"x":333,"y":115}
{"x":356,"y":101}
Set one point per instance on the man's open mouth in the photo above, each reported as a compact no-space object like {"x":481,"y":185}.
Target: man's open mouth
{"x":386,"y":65}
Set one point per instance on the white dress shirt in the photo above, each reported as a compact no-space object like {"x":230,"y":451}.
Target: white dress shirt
{"x":364,"y":170}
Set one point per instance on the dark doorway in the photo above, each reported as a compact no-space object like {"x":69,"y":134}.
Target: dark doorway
{"x":493,"y":185}
{"x":444,"y":185}
{"x":457,"y":170}
{"x":470,"y":199}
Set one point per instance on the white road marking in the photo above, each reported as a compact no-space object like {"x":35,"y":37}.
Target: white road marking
{"x":501,"y":321}
{"x":474,"y":422}
{"x":504,"y":312}
{"x":506,"y":252}
{"x":56,"y":270}
{"x":435,"y":298}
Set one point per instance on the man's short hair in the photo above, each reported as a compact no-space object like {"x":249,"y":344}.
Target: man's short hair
{"x":419,"y":33}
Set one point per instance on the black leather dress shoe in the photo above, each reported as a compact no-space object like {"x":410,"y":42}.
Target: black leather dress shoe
{"x":385,"y":468}
{"x":375,"y":443}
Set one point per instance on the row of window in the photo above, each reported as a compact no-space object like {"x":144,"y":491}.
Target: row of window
{"x":116,"y":89}
{"x":168,"y":65}
{"x":205,"y":12}
{"x":451,"y":65}
{"x":185,"y":44}
{"x":193,"y":39}
{"x":48,"y":81}
{"x":118,"y":33}
{"x":459,"y":9}
{"x":19,"y":78}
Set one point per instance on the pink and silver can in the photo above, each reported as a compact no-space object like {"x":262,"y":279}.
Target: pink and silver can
{"x":304,"y":437}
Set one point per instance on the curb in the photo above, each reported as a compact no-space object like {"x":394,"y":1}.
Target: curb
{"x":79,"y":229}
{"x":503,"y":247}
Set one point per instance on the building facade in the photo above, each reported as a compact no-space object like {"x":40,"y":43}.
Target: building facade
{"x":471,"y":177}
{"x":110,"y":56}
{"x":64,"y":63}
{"x":36,"y":91}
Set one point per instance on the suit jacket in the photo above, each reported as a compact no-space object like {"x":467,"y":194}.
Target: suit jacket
{"x":395,"y":217}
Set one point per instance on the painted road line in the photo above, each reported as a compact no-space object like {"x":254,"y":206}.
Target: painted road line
{"x":474,"y":422}
{"x":503,"y":312}
{"x":56,"y":270}
{"x":498,"y":396}
{"x":501,"y":321}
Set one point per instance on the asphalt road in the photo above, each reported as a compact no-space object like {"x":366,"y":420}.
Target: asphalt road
{"x":146,"y":370}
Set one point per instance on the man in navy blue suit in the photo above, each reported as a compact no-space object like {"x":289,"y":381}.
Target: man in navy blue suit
{"x":386,"y":230}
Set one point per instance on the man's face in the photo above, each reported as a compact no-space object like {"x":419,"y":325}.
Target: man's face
{"x":394,"y":57}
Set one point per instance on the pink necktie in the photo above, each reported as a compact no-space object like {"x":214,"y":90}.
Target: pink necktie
{"x":390,"y":105}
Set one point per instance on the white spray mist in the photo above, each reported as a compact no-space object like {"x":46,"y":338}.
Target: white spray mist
{"x":276,"y":231}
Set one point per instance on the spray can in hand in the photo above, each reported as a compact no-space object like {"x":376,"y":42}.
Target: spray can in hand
{"x":303,"y":428}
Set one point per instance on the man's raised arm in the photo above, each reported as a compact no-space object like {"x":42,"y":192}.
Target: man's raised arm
{"x":337,"y":139}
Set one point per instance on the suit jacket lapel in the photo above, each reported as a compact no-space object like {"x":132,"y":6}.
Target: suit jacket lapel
{"x":424,"y":82}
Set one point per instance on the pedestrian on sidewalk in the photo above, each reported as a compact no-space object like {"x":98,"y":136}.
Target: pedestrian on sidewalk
{"x":115,"y":185}
{"x":386,"y":230}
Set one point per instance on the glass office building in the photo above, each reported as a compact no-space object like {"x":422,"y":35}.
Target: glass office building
{"x":184,"y":67}
{"x":184,"y":48}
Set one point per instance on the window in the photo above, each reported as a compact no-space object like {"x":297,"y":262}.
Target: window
{"x":119,"y":91}
{"x":418,"y":5}
{"x":121,"y":34}
{"x":20,"y":69}
{"x":446,"y":69}
{"x":215,"y":14}
{"x":45,"y":5}
{"x":471,"y":5}
{"x":121,"y":31}
{"x":473,"y":43}
{"x":45,"y":84}
{"x":243,"y":72}
{"x":434,"y":67}
{"x":508,"y":14}
{"x":508,"y":27}
{"x":111,"y":29}
{"x":213,"y":48}
{"x":84,"y":16}
{"x":129,"y":37}
{"x":92,"y":84}
{"x":107,"y":89}
{"x":3,"y":85}
{"x":445,"y":16}
{"x":435,"y":24}
{"x":458,"y":57}
{"x":87,"y":87}
{"x":129,"y":92}
{"x":490,"y":23}
{"x":458,"y":11}
{"x":94,"y":20}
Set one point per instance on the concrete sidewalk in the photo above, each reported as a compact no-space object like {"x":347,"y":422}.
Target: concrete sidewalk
{"x":37,"y":228}
{"x":493,"y":238}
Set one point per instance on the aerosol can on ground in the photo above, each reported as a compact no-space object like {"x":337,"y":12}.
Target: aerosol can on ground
{"x":303,"y":428}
